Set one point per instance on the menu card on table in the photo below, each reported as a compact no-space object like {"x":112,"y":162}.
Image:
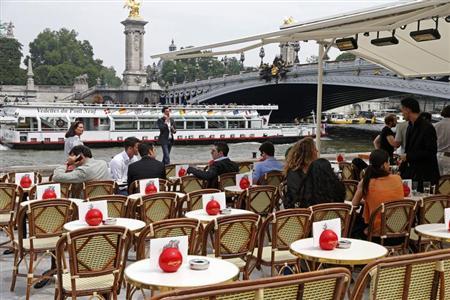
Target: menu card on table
{"x":219,"y":197}
{"x":19,"y":176}
{"x":148,"y":184}
{"x":447,"y":217}
{"x":244,"y":176}
{"x":84,"y":207}
{"x":319,"y":227}
{"x":181,"y":170}
{"x":157,"y":246}
{"x":41,"y":189}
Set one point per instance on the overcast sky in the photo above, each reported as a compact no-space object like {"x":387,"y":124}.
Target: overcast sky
{"x":188,"y":22}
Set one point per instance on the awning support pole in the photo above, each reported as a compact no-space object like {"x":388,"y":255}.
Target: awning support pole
{"x":319,"y":97}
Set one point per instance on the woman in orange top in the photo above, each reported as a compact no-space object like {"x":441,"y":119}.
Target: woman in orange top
{"x":378,"y":186}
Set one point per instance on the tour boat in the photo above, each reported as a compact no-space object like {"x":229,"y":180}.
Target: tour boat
{"x":43,"y":125}
{"x":335,"y":118}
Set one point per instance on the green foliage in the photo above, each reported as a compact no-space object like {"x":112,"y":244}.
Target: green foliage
{"x":10,"y":56}
{"x":345,"y":56}
{"x":207,"y":67}
{"x":58,"y":57}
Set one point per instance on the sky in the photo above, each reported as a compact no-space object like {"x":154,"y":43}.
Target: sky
{"x":188,"y":22}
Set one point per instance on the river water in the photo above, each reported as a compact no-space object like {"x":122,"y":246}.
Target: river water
{"x":338,"y":140}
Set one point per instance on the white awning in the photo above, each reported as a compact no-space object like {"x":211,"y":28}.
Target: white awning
{"x":408,"y":58}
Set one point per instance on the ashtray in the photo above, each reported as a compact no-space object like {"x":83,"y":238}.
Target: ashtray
{"x":110,"y":221}
{"x":225,"y":211}
{"x":344,"y":244}
{"x":199,"y":264}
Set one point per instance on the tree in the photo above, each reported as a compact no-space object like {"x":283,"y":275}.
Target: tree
{"x":10,"y":56}
{"x":58,"y":57}
{"x":345,"y":56}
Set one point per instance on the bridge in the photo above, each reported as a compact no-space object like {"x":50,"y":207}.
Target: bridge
{"x":345,"y":82}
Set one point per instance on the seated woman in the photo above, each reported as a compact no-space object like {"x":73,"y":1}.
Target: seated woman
{"x":378,"y":186}
{"x":300,"y":156}
{"x":322,"y":185}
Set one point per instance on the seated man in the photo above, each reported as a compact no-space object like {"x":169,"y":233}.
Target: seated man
{"x":119,"y":164}
{"x":148,"y":166}
{"x":221,"y":164}
{"x":267,"y":162}
{"x":81,"y":167}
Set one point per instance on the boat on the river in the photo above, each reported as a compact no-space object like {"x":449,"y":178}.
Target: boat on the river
{"x":43,"y":125}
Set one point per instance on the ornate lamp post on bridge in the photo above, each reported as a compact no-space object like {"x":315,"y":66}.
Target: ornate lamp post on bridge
{"x":197,"y":69}
{"x":242,"y":60}
{"x":174,"y":73}
{"x":296,"y":49}
{"x":185,"y":70}
{"x":261,"y":55}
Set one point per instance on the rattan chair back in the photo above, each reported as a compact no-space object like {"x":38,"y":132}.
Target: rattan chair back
{"x":156,"y":207}
{"x":328,"y":211}
{"x":93,"y":253}
{"x":194,"y":199}
{"x":260,"y":199}
{"x":350,"y":189}
{"x":396,"y":221}
{"x":8,"y":192}
{"x":99,"y":188}
{"x":190,"y":183}
{"x":65,"y":189}
{"x":273,"y":178}
{"x":226,"y":179}
{"x":431,"y":209}
{"x":170,"y":228}
{"x":11,"y":177}
{"x":245,"y":166}
{"x":163,"y":186}
{"x":117,"y":205}
{"x":328,"y":284}
{"x":413,"y":276}
{"x":170,"y":170}
{"x":443,"y":186}
{"x":347,"y":172}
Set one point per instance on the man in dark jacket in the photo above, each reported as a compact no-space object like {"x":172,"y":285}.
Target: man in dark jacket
{"x":419,"y":162}
{"x":167,"y":129}
{"x":148,"y":166}
{"x":221,"y":164}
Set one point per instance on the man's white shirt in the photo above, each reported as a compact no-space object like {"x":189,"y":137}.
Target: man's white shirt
{"x":119,"y":166}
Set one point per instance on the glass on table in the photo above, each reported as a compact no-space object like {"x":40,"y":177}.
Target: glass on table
{"x":427,"y":187}
{"x":414,"y":187}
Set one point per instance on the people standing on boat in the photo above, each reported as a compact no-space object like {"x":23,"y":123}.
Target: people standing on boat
{"x":267,"y":162}
{"x":301,"y":155}
{"x":167,"y":129}
{"x":81,"y":167}
{"x":221,"y":164}
{"x":443,"y":141}
{"x":419,"y":162}
{"x":321,"y":185}
{"x":147,"y":166}
{"x":119,"y":164}
{"x":73,"y":136}
{"x":386,"y":139}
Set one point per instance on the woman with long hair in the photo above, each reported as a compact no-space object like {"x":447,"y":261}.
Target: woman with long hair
{"x":300,"y":156}
{"x":73,"y":136}
{"x":321,"y":185}
{"x":377,"y":186}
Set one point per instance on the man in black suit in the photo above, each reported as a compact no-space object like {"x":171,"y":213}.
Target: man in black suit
{"x":419,"y":162}
{"x":221,"y":164}
{"x":167,"y":129}
{"x":148,"y":166}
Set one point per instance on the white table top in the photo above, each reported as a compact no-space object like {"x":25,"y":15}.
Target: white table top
{"x":360,"y":253}
{"x":131,"y":224}
{"x":434,"y":231}
{"x":202,"y":215}
{"x":141,"y":274}
{"x":139,"y":195}
{"x":74,"y":200}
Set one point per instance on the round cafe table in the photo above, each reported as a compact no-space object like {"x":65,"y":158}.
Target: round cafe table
{"x":139,"y":195}
{"x":360,"y":252}
{"x":76,"y":201}
{"x":202,"y":216}
{"x":434,"y":231}
{"x":132,"y":224}
{"x":142,"y":275}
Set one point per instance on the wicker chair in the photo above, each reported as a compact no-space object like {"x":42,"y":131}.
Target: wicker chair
{"x":156,"y":207}
{"x":350,"y":189}
{"x":329,"y":284}
{"x":8,"y":196}
{"x":396,"y":221}
{"x":431,"y":210}
{"x":164,"y":186}
{"x":273,"y":178}
{"x":99,"y":188}
{"x":233,"y":239}
{"x":285,"y":226}
{"x":170,"y":170}
{"x":193,"y":200}
{"x":347,"y":171}
{"x":46,"y":220}
{"x":444,"y":185}
{"x":190,"y":183}
{"x":328,"y":211}
{"x":11,"y":177}
{"x":97,"y":257}
{"x":226,"y":179}
{"x":245,"y":166}
{"x":65,"y":189}
{"x":117,"y":205}
{"x":413,"y":276}
{"x":260,"y":199}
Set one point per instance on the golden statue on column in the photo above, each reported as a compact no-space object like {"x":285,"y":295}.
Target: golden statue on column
{"x":133,"y":6}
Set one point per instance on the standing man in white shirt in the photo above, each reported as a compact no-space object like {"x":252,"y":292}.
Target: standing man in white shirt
{"x":443,"y":141}
{"x":167,"y":129}
{"x":119,"y":164}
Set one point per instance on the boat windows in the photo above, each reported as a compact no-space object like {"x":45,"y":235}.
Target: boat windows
{"x":217,"y":124}
{"x":147,"y":124}
{"x":236,"y":124}
{"x":33,"y":140}
{"x":201,"y":136}
{"x":179,"y":124}
{"x":61,"y":140}
{"x":195,"y":124}
{"x":232,"y":135}
{"x":144,"y":138}
{"x":27,"y":124}
{"x":222,"y":136}
{"x":255,"y":124}
{"x":47,"y":140}
{"x":125,"y":125}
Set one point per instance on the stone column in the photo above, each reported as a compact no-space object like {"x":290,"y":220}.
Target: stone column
{"x":30,"y":75}
{"x":134,"y":74}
